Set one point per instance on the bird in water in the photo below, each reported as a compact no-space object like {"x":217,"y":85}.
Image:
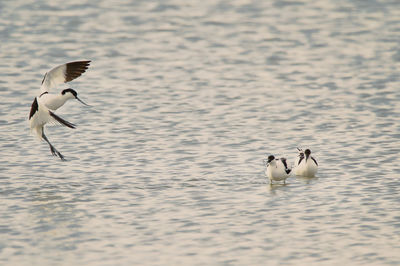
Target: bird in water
{"x":305,"y":164}
{"x":277,"y":169}
{"x":44,"y":105}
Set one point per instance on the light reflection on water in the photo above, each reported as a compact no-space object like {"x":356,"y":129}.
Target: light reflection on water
{"x":188,"y":99}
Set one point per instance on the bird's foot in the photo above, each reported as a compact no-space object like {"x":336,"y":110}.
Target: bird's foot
{"x":57,"y":153}
{"x":61,"y":157}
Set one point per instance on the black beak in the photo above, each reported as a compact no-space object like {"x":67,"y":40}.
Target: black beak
{"x":81,"y":101}
{"x":307,"y":155}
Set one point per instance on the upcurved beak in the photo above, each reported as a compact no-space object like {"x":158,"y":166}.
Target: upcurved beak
{"x":82,"y":101}
{"x":307,"y":155}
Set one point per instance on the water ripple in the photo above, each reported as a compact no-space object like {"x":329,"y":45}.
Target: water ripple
{"x":188,"y":99}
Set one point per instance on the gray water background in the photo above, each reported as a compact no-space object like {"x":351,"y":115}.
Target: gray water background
{"x":188,"y":98}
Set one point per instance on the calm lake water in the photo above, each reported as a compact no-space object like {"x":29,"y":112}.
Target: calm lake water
{"x":188,"y":98}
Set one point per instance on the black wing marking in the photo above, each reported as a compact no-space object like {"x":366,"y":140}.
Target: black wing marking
{"x":315,"y":161}
{"x":283,"y":160}
{"x":44,"y":77}
{"x":75,"y":69}
{"x":287,"y":170}
{"x":46,"y":92}
{"x":34,"y":108}
{"x":301,"y":158}
{"x":62,"y":121}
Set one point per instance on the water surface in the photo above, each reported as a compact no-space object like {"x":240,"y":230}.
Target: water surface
{"x":188,"y":99}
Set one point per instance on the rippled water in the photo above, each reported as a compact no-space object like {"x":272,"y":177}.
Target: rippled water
{"x":188,"y":98}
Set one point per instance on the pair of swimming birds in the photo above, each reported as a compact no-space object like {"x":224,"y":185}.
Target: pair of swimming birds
{"x":44,"y":105}
{"x":305,"y":165}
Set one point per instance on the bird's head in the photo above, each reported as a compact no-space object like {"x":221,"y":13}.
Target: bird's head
{"x":307,"y":152}
{"x":72,"y":94}
{"x":270,"y":158}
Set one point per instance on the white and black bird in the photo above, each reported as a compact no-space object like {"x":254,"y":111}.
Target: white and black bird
{"x":305,"y":164}
{"x":43,"y":105}
{"x":277,"y":169}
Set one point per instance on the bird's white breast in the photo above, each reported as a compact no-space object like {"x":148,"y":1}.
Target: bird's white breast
{"x":51,"y":101}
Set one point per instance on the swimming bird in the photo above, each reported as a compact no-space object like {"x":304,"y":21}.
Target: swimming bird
{"x":277,"y":169}
{"x":306,"y":165}
{"x":58,"y":75}
{"x":43,"y":105}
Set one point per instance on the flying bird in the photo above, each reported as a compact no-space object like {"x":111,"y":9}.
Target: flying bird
{"x":44,"y":105}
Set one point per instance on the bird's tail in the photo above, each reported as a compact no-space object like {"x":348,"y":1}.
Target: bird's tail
{"x":38,"y":131}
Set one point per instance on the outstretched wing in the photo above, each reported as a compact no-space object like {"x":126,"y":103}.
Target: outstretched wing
{"x":61,"y":121}
{"x":62,"y":74}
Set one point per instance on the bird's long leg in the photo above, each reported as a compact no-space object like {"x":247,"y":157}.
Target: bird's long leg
{"x":53,"y":150}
